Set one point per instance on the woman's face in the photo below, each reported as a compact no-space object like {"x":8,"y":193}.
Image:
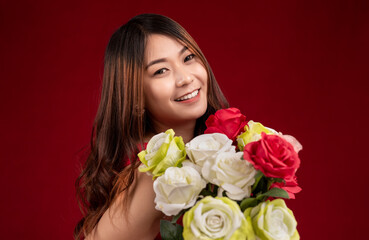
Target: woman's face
{"x":175,"y":82}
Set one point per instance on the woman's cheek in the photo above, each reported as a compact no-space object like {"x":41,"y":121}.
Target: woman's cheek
{"x":200,"y":72}
{"x":159,"y":89}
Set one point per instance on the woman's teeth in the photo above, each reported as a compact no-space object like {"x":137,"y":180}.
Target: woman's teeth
{"x":188,"y":96}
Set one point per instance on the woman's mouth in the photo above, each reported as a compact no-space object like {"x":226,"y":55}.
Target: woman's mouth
{"x":188,"y":96}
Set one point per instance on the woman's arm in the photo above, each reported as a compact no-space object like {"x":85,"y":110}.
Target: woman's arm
{"x":141,"y":222}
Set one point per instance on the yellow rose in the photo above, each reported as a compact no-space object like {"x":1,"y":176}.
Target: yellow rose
{"x":252,"y":133}
{"x":162,"y":151}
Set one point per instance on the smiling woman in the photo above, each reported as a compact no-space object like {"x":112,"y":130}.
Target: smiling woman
{"x":175,"y":85}
{"x":155,"y":78}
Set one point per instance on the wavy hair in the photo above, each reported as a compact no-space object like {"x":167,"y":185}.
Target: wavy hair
{"x":121,"y":109}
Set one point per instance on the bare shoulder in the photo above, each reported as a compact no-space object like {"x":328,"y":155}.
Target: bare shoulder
{"x":140,"y":221}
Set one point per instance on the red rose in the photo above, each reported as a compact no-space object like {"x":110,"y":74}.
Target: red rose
{"x":230,"y":122}
{"x":273,"y":156}
{"x":291,"y":187}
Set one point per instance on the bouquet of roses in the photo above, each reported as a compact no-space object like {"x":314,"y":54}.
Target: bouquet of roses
{"x":228,"y":183}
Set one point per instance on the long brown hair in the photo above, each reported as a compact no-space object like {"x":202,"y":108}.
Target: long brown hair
{"x":121,"y":123}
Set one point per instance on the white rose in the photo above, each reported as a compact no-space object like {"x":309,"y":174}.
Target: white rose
{"x":231,"y":174}
{"x":177,"y":189}
{"x":216,"y":218}
{"x":188,"y":163}
{"x":272,"y":220}
{"x":206,"y":146}
{"x":293,"y":141}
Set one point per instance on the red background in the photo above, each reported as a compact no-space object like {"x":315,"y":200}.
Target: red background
{"x":300,"y":67}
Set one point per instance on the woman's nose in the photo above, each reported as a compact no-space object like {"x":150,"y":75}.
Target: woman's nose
{"x":183,"y":77}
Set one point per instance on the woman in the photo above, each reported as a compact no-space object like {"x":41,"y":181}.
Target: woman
{"x":155,"y":78}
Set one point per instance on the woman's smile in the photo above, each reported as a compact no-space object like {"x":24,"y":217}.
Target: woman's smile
{"x":188,"y":96}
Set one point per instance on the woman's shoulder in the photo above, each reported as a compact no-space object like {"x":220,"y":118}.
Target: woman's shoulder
{"x":125,"y":219}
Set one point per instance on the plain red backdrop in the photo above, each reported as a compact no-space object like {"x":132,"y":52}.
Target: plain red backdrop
{"x":300,"y":67}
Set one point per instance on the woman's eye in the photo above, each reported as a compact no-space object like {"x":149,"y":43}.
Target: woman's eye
{"x":189,"y":57}
{"x":160,"y":71}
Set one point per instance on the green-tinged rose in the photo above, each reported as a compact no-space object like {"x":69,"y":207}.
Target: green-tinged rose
{"x":216,"y":218}
{"x":272,"y":220}
{"x":252,"y":133}
{"x":162,"y":151}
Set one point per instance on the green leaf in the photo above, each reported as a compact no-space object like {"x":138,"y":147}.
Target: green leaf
{"x":169,"y":231}
{"x":261,"y":197}
{"x":277,"y":192}
{"x":257,"y":177}
{"x":248,"y":202}
{"x":278,"y":180}
{"x":274,"y":180}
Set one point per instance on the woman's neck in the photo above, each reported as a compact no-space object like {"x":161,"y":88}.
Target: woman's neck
{"x":186,"y":134}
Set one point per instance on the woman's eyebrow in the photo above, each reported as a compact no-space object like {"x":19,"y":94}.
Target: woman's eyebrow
{"x":164,"y":59}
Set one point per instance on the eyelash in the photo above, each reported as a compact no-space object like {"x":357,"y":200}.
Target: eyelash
{"x":191,"y":56}
{"x":159,"y":71}
{"x":187,"y":58}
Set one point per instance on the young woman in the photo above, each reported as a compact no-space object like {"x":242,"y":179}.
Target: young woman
{"x":155,"y":78}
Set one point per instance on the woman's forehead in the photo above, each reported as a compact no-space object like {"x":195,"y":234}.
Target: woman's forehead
{"x":162,"y":46}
